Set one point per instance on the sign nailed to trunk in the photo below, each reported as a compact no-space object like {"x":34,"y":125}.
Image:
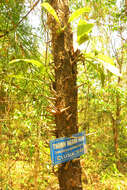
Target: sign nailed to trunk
{"x":67,"y":148}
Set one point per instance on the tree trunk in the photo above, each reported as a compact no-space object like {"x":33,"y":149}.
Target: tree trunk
{"x":115,"y":135}
{"x":69,"y":174}
{"x":116,"y":129}
{"x":126,"y":7}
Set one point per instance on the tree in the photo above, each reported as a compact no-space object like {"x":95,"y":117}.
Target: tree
{"x":65,"y":90}
{"x":26,"y":127}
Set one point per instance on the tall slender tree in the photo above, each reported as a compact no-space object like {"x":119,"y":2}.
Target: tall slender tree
{"x":126,"y":6}
{"x":65,"y":89}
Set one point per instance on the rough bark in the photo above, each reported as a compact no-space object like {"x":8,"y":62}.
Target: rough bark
{"x":69,"y":174}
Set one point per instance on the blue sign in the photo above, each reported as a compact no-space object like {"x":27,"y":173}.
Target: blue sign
{"x":67,"y":148}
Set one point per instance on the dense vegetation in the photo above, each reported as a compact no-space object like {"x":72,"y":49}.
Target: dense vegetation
{"x":27,"y":95}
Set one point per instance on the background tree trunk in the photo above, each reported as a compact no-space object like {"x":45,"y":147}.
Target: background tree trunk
{"x":69,"y":174}
{"x":126,"y":7}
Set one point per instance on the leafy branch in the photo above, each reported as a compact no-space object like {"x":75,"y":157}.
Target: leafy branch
{"x":14,"y":27}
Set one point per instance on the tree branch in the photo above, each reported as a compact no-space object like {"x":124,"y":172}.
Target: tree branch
{"x":35,"y":4}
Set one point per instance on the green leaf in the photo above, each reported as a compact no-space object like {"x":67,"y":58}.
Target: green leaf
{"x":102,"y":75}
{"x":78,"y":13}
{"x":83,"y":38}
{"x":105,"y":58}
{"x":23,"y":78}
{"x":97,"y":67}
{"x":89,"y":55}
{"x":50,"y":9}
{"x":108,"y":64}
{"x":84,"y":27}
{"x":31,"y":150}
{"x":82,"y":31}
{"x":34,"y":62}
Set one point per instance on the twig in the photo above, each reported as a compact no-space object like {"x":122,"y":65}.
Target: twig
{"x":14,"y":27}
{"x":90,"y":134}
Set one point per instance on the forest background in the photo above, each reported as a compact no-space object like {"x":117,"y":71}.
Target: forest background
{"x":26,"y":88}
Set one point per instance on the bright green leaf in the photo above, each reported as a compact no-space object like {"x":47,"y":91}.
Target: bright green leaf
{"x":106,"y":61}
{"x":84,"y":27}
{"x":83,"y":38}
{"x":82,"y":31}
{"x":34,"y":62}
{"x":50,"y":9}
{"x":78,"y":13}
{"x":108,"y":64}
{"x":105,"y":58}
{"x":89,"y":55}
